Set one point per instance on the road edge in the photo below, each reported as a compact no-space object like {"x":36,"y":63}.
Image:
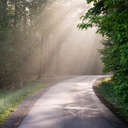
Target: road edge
{"x":16,"y":117}
{"x":105,"y":102}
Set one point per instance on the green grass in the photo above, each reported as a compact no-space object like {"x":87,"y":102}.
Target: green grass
{"x":9,"y":99}
{"x":107,"y":92}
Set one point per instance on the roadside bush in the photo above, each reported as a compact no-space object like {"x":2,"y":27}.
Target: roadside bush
{"x":111,"y":19}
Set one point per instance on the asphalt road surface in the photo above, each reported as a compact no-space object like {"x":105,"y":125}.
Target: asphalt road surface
{"x":71,"y":104}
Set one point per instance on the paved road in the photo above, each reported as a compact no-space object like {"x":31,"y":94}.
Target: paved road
{"x":71,"y":104}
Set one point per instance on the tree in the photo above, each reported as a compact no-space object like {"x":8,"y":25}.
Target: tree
{"x":16,"y":19}
{"x":111,"y":19}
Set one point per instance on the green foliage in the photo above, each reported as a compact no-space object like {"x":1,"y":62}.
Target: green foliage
{"x":107,"y":90}
{"x":111,"y":19}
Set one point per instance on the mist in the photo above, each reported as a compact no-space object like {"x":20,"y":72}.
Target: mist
{"x":63,"y":49}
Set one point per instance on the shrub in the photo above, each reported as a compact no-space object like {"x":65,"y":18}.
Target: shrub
{"x":111,"y":19}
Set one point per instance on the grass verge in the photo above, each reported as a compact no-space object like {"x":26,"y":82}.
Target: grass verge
{"x":9,"y":99}
{"x":111,"y":100}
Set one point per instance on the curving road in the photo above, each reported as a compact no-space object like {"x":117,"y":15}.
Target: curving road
{"x":71,"y":104}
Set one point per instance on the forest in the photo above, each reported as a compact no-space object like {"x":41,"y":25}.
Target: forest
{"x":17,"y":25}
{"x":19,"y":22}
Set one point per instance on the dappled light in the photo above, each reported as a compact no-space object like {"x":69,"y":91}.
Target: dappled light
{"x":63,"y":49}
{"x":53,"y":57}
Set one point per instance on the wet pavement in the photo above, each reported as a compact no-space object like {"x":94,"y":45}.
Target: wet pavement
{"x":71,"y":103}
